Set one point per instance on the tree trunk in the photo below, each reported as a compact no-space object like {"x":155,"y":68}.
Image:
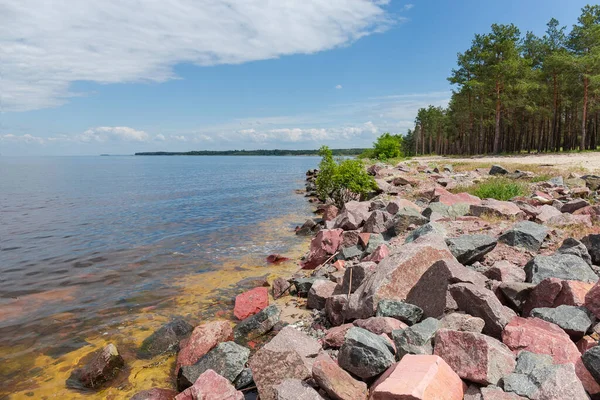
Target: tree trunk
{"x":497,"y":129}
{"x":584,"y":112}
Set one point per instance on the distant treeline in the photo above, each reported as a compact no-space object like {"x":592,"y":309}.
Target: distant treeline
{"x":336,"y":152}
{"x":518,"y":93}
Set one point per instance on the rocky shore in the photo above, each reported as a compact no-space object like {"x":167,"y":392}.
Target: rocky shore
{"x":420,"y":292}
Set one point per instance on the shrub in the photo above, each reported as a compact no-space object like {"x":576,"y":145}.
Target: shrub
{"x":387,"y":146}
{"x":497,"y":188}
{"x":342,"y":180}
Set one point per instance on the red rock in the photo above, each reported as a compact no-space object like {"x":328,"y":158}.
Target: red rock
{"x":353,"y":215}
{"x":330,"y":212}
{"x":276,"y":259}
{"x":336,"y":382}
{"x":546,"y":212}
{"x":202,"y":340}
{"x":541,"y":337}
{"x":378,"y":255}
{"x":210,"y":386}
{"x":445,"y":197}
{"x":155,"y":394}
{"x":280,"y":286}
{"x":251,"y":302}
{"x":553,"y":292}
{"x":379,"y":325}
{"x":102,"y":367}
{"x":319,"y":292}
{"x":323,"y":246}
{"x":505,"y":271}
{"x":565,"y":220}
{"x":335,"y":308}
{"x":592,"y":300}
{"x":363,"y":239}
{"x":542,"y":197}
{"x":397,"y":204}
{"x":593,"y":211}
{"x":573,"y":293}
{"x":498,"y":394}
{"x":334,"y":337}
{"x":419,"y":377}
{"x":340,"y":265}
{"x":350,"y":238}
{"x":497,"y":208}
{"x":586,"y":343}
{"x":474,"y":356}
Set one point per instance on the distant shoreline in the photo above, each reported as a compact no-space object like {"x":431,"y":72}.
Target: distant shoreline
{"x":336,"y":152}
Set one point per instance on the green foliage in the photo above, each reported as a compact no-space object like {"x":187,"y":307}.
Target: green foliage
{"x":497,"y":188}
{"x":387,"y":146}
{"x":540,"y":178}
{"x":342,"y":180}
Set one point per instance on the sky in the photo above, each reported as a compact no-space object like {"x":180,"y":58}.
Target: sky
{"x":118,"y":77}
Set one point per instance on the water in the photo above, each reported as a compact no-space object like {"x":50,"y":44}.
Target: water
{"x":93,"y":244}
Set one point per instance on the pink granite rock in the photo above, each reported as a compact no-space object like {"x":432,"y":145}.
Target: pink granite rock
{"x":505,"y":271}
{"x":379,"y":325}
{"x":592,"y":300}
{"x":210,"y":386}
{"x":553,"y":292}
{"x":202,"y":340}
{"x":323,"y":246}
{"x":337,"y":383}
{"x":251,"y":302}
{"x":378,"y":255}
{"x":497,"y":208}
{"x":565,"y":220}
{"x":330,"y":212}
{"x":319,"y":292}
{"x":334,"y":337}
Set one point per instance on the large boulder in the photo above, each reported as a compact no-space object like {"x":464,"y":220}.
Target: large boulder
{"x":319,"y":292}
{"x":101,"y":367}
{"x":337,"y":383}
{"x":470,"y":248}
{"x":210,"y":386}
{"x":355,"y":275}
{"x":416,"y":339}
{"x":592,"y":243}
{"x":353,"y":215}
{"x":166,"y":339}
{"x":404,"y":218}
{"x":364,"y":354}
{"x":203,"y":339}
{"x":474,"y":356}
{"x":443,"y":196}
{"x":576,"y":248}
{"x":251,"y":302}
{"x":496,"y":208}
{"x":526,"y":234}
{"x":322,"y":246}
{"x":553,"y":292}
{"x":419,"y":377}
{"x":256,"y":325}
{"x":377,"y":222}
{"x":574,"y":320}
{"x":563,"y":266}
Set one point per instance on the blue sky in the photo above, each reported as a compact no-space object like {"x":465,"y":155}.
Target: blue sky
{"x":84,"y":78}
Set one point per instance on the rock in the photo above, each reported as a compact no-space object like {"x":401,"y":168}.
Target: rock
{"x":581,"y":192}
{"x":568,"y":220}
{"x":474,"y":356}
{"x":295,"y":389}
{"x":416,"y":339}
{"x":592,"y":300}
{"x":307,"y":228}
{"x":516,"y":293}
{"x":592,"y":181}
{"x":379,"y":325}
{"x":349,"y":253}
{"x":352,"y":216}
{"x":375,"y":240}
{"x":404,"y":218}
{"x":574,"y":320}
{"x":505,"y":271}
{"x":276,"y":259}
{"x":431,"y":293}
{"x":448,"y":211}
{"x":355,"y":275}
{"x":591,"y":360}
{"x":102,"y":366}
{"x":397,"y":204}
{"x":319,"y":292}
{"x":322,"y":246}
{"x":289,"y":355}
{"x":335,"y":308}
{"x":251,"y":302}
{"x":227,"y":359}
{"x":330,"y":212}
{"x":553,"y":292}
{"x":495,"y":393}
{"x":592,"y":211}
{"x":526,"y":234}
{"x":563,"y":266}
{"x":377,"y":222}
{"x":592,"y":243}
{"x":244,"y":379}
{"x":334,"y":338}
{"x":155,"y":394}
{"x":586,"y":343}
{"x":546,"y":212}
{"x":574,"y":205}
{"x":166,"y":339}
{"x":470,"y":248}
{"x":450,"y":199}
{"x":280,"y":287}
{"x":381,"y":252}
{"x":576,"y":248}
{"x":482,"y":303}
{"x":419,"y":377}
{"x":203,"y":339}
{"x":429,"y":228}
{"x":337,"y":383}
{"x":210,"y":386}
{"x":364,"y":354}
{"x":400,"y":310}
{"x":350,"y":238}
{"x":256,"y":325}
{"x":303,"y":285}
{"x":498,"y":170}
{"x":462,"y":322}
{"x":496,"y":208}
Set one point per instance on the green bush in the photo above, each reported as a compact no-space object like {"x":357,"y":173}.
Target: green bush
{"x":342,"y":180}
{"x":497,"y":188}
{"x":387,"y":146}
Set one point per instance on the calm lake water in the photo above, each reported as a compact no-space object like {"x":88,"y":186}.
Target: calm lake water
{"x":88,"y":242}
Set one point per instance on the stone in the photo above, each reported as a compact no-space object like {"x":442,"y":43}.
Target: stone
{"x":323,"y":246}
{"x":505,"y":271}
{"x":307,"y":228}
{"x":210,"y":386}
{"x":450,"y":199}
{"x":337,"y":383}
{"x":592,"y":211}
{"x":304,"y":284}
{"x":397,"y":204}
{"x":482,"y":303}
{"x":586,"y":343}
{"x":474,"y":356}
{"x":553,"y":292}
{"x":295,"y":389}
{"x":251,"y":302}
{"x":280,"y":287}
{"x":375,"y":240}
{"x":592,"y":181}
{"x":355,"y":275}
{"x":349,"y":253}
{"x":498,"y":170}
{"x":516,"y":293}
{"x":244,"y":379}
{"x":256,"y":325}
{"x":155,"y":394}
{"x":462,"y":322}
{"x":574,"y":320}
{"x":430,"y":228}
{"x":364,"y":354}
{"x":334,"y":338}
{"x":101,"y":367}
{"x":470,"y":248}
{"x":379,"y":325}
{"x":330,"y":212}
{"x":546,"y":212}
{"x":335,"y":308}
{"x":203,"y":338}
{"x":381,"y":252}
{"x":289,"y":355}
{"x":350,"y":238}
{"x":447,"y":211}
{"x":377,"y":222}
{"x":592,"y":243}
{"x":592,"y":300}
{"x":570,"y":220}
{"x":431,"y":293}
{"x":496,"y":208}
{"x":400,"y":310}
{"x":419,"y":377}
{"x":563,"y":266}
{"x":404,"y":218}
{"x":227,"y":359}
{"x":495,"y":393}
{"x":319,"y":292}
{"x":525,"y":234}
{"x":591,"y":360}
{"x":576,"y":248}
{"x":416,"y":339}
{"x":574,"y":205}
{"x":353,"y":215}
{"x":166,"y":339}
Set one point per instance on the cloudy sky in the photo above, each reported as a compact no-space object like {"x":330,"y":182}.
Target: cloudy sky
{"x":112,"y":76}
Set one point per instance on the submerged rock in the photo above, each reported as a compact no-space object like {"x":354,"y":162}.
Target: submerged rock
{"x":103,"y":366}
{"x":155,"y":394}
{"x":166,"y":339}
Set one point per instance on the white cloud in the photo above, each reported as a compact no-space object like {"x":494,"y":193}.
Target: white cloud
{"x":27,"y":138}
{"x":309,"y":135}
{"x":338,"y":86}
{"x":46,"y":46}
{"x":108,"y":133}
{"x":408,"y":7}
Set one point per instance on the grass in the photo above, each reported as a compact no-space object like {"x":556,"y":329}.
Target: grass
{"x":540,"y":178}
{"x":495,"y":188}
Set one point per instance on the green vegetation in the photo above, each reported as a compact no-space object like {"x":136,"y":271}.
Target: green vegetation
{"x":335,"y":152}
{"x":496,"y":188}
{"x":386,"y":147}
{"x":342,"y":180}
{"x":520,"y":93}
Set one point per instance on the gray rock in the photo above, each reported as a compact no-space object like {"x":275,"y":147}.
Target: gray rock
{"x":462,"y":322}
{"x":349,"y":253}
{"x":355,"y":275}
{"x":244,"y":379}
{"x":319,"y":292}
{"x":498,"y":170}
{"x":429,"y":228}
{"x":295,"y":389}
{"x":308,"y":228}
{"x":575,"y":247}
{"x":257,"y":324}
{"x":404,"y":218}
{"x":227,"y":359}
{"x":166,"y":339}
{"x":416,"y":339}
{"x":375,"y":240}
{"x":405,"y":312}
{"x":303,"y":285}
{"x":557,"y":181}
{"x":563,"y":266}
{"x":377,"y":222}
{"x":591,"y":360}
{"x":516,"y":293}
{"x":527,"y":361}
{"x":470,"y":248}
{"x":526,"y":234}
{"x":364,"y":354}
{"x":453,"y":211}
{"x":574,"y":320}
{"x":592,"y":243}
{"x":592,"y":181}
{"x":574,"y":205}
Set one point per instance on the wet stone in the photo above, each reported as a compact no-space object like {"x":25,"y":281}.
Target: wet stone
{"x":256,"y":325}
{"x":104,"y":366}
{"x":166,"y":339}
